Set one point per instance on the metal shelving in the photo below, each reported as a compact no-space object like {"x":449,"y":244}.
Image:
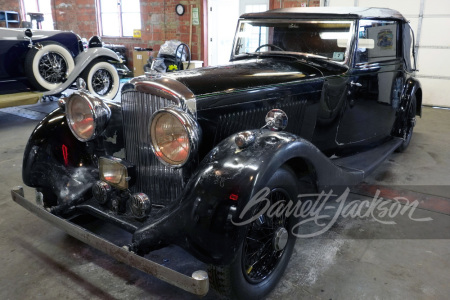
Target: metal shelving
{"x":9,"y":17}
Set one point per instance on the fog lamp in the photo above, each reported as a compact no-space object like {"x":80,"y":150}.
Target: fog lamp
{"x":116,"y":171}
{"x":141,"y":205}
{"x":101,"y":191}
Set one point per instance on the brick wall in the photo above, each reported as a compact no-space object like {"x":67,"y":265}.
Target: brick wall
{"x":158,"y":18}
{"x":10,"y":5}
{"x":13,"y":5}
{"x":159,"y":21}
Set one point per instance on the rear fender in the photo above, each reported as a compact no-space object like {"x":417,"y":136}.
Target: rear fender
{"x":413,"y":87}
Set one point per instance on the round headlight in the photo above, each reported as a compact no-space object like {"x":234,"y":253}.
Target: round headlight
{"x":174,"y":136}
{"x":86,"y":116}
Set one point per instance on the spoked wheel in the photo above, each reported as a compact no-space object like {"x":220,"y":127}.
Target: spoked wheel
{"x":266,"y":248}
{"x":102,"y":79}
{"x":48,"y":66}
{"x":53,"y":67}
{"x":406,"y":131}
{"x":265,"y":242}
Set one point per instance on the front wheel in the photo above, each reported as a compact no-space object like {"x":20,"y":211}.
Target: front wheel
{"x":102,"y":79}
{"x":265,"y":250}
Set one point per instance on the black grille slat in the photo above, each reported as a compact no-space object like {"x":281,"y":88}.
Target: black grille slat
{"x":254,"y":118}
{"x":161,"y":183}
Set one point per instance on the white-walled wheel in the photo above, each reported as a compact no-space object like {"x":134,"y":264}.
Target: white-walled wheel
{"x":46,"y":68}
{"x":102,"y":79}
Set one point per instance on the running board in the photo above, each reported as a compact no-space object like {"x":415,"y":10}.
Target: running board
{"x":367,"y":161}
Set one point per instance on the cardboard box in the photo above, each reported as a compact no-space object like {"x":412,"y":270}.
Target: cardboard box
{"x":139,"y":60}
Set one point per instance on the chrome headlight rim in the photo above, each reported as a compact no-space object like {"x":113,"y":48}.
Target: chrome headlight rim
{"x":100,"y":111}
{"x":190,"y":126}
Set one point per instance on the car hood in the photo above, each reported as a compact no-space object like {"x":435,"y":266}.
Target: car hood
{"x":249,"y":74}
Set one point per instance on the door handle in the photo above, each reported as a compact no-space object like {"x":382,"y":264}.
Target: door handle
{"x":355,"y":84}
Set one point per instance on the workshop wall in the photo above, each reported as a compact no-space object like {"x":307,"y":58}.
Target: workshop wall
{"x":159,"y":23}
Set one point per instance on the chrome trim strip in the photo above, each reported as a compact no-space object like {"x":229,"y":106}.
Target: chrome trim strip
{"x":168,"y":88}
{"x":198,"y":284}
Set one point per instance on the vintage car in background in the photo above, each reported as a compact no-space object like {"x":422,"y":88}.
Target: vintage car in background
{"x":37,"y":62}
{"x":312,"y":98}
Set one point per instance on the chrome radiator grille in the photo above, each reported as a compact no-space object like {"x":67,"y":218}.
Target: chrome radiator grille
{"x":161,"y":183}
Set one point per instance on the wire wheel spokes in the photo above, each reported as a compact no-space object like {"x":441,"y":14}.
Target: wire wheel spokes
{"x":53,"y":67}
{"x":260,"y":257}
{"x":102,"y":82}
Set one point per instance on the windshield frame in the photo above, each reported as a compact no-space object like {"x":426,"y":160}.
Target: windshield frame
{"x":348,"y":49}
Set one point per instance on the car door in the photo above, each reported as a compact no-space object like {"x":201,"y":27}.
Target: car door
{"x":374,"y":84}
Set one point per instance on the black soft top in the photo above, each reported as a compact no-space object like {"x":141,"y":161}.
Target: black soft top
{"x":328,"y":12}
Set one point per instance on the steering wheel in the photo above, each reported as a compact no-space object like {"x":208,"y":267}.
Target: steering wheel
{"x":269,"y":45}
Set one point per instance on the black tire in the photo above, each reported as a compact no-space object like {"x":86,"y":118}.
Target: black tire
{"x":102,"y":79}
{"x":408,"y":125}
{"x":46,"y":68}
{"x":241,"y":280}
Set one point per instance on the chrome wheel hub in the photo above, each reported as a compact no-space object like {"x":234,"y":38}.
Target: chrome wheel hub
{"x":102,"y":82}
{"x":53,"y":67}
{"x":280,"y":239}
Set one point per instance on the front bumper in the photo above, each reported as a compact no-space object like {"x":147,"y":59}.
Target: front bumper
{"x":197,"y":284}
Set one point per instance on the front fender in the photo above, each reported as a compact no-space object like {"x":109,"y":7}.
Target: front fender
{"x":81,"y":62}
{"x":229,"y":177}
{"x":54,"y":159}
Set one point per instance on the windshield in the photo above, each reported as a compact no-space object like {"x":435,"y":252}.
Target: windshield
{"x":329,"y":39}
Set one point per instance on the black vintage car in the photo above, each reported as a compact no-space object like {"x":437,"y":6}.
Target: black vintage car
{"x":312,"y":98}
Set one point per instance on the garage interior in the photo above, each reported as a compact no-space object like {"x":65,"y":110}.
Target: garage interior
{"x":354,"y":260}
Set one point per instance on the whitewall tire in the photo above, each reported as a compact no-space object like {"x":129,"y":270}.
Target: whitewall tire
{"x":102,"y":79}
{"x":46,"y":68}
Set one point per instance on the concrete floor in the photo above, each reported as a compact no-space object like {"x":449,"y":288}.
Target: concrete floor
{"x":355,"y":259}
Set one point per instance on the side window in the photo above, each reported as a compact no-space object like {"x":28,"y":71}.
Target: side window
{"x":377,"y":41}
